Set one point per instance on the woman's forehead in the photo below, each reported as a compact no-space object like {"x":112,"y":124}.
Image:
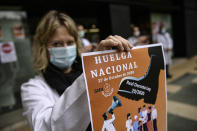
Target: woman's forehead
{"x":62,"y":33}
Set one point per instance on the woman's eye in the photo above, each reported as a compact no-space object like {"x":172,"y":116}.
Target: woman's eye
{"x":62,"y":43}
{"x":70,"y":43}
{"x":58,"y":43}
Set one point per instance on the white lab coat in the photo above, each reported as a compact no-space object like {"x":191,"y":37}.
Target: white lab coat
{"x":85,"y":42}
{"x":108,"y":124}
{"x":167,"y":42}
{"x":133,"y":40}
{"x":47,"y":111}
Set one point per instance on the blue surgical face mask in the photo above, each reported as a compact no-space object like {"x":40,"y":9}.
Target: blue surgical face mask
{"x":81,"y":33}
{"x":136,"y":33}
{"x":163,"y":30}
{"x":63,"y":57}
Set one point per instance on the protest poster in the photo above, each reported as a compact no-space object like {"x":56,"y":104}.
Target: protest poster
{"x":126,"y":89}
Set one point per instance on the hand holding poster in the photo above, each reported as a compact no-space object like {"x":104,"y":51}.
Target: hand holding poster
{"x":126,"y":90}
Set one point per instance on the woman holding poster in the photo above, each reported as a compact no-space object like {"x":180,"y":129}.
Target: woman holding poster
{"x":56,"y":99}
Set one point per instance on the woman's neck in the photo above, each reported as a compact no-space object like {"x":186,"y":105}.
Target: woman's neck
{"x":68,"y":70}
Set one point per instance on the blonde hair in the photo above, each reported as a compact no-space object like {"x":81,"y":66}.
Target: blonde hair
{"x":45,"y":30}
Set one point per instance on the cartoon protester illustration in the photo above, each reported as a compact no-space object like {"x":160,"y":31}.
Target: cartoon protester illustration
{"x":129,"y":125}
{"x":108,"y":123}
{"x":136,"y":123}
{"x":144,"y":120}
{"x":149,"y":121}
{"x":154,"y":117}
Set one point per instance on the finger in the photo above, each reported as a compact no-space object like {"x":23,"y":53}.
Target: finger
{"x":109,"y":37}
{"x":131,"y":46}
{"x":118,"y":41}
{"x":126,"y":46}
{"x":106,"y":44}
{"x":125,"y":43}
{"x":109,"y":43}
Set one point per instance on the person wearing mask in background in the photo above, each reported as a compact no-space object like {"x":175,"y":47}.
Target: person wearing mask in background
{"x":56,"y":99}
{"x":86,"y":45}
{"x":155,"y":31}
{"x":136,"y":33}
{"x":129,"y":124}
{"x":154,"y":117}
{"x":164,"y":37}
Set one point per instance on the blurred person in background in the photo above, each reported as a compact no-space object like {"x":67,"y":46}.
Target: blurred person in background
{"x":86,"y":45}
{"x":164,"y":37}
{"x":56,"y":99}
{"x":95,"y":38}
{"x":143,"y":40}
{"x":135,"y":35}
{"x":155,"y":31}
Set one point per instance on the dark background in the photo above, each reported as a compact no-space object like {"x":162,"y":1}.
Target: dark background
{"x":115,"y":16}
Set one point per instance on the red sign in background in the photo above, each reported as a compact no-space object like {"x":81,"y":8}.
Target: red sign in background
{"x":6,"y":48}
